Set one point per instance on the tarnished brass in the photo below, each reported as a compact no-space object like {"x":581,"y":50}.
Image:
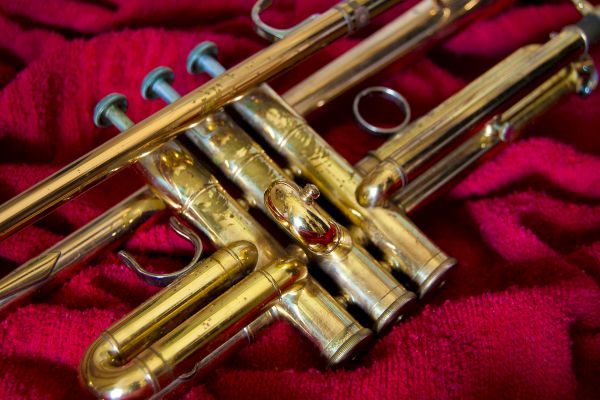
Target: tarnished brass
{"x":244,"y":162}
{"x":55,"y":263}
{"x":185,"y":185}
{"x":503,"y":129}
{"x":424,"y":23}
{"x":185,"y":329}
{"x":123,"y":362}
{"x":403,"y":245}
{"x":416,"y":147}
{"x":157,"y":129}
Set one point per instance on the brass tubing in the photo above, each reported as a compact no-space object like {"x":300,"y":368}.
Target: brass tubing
{"x":192,"y":192}
{"x":163,"y":126}
{"x":504,"y":128}
{"x":425,"y":23}
{"x":173,"y":305}
{"x":55,"y":264}
{"x":147,"y":370}
{"x":409,"y":153}
{"x":306,"y":308}
{"x":404,"y":246}
{"x":186,"y":186}
{"x":231,"y":346}
{"x":247,"y":165}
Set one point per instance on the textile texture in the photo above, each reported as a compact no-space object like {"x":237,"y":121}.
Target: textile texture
{"x":520,"y":317}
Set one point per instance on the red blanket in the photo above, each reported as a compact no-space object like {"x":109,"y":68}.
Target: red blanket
{"x":520,"y":318}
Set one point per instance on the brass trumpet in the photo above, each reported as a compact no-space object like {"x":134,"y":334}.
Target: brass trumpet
{"x":217,"y":304}
{"x":421,"y":25}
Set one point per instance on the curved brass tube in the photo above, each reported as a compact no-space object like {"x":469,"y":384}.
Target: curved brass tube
{"x":246,"y":164}
{"x":111,"y":371}
{"x":185,"y":185}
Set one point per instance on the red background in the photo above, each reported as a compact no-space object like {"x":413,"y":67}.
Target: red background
{"x":519,"y":319}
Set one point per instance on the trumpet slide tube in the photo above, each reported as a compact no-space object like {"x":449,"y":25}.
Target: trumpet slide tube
{"x":163,"y":126}
{"x":416,"y":147}
{"x":148,"y":348}
{"x":246,"y":164}
{"x":423,"y":24}
{"x":55,"y":264}
{"x":502,"y":130}
{"x":184,"y":184}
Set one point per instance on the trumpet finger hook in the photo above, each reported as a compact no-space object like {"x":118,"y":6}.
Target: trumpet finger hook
{"x":165,"y":279}
{"x":265,"y":30}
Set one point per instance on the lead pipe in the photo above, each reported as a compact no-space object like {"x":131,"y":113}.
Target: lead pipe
{"x":166,"y":124}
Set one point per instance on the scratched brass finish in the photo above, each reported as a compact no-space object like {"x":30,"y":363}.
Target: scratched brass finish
{"x":151,"y":346}
{"x":356,"y":273}
{"x":186,"y":186}
{"x":246,"y":164}
{"x":426,"y":22}
{"x":502,"y":129}
{"x":54,"y":264}
{"x":409,"y":153}
{"x":404,"y":247}
{"x":157,"y":129}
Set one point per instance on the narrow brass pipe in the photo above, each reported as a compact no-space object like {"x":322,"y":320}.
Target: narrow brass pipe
{"x":423,"y":24}
{"x":502,"y":129}
{"x":55,"y":264}
{"x":407,"y":154}
{"x":302,"y":308}
{"x":159,"y":128}
{"x":221,"y":353}
{"x":136,"y":372}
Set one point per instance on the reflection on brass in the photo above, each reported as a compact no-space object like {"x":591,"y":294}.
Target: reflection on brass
{"x":405,"y":156}
{"x":404,"y":247}
{"x":55,"y":263}
{"x":218,"y":304}
{"x":166,"y":124}
{"x":503,"y":129}
{"x":424,"y":23}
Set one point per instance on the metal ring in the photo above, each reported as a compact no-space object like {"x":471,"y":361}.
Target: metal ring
{"x":389,"y":94}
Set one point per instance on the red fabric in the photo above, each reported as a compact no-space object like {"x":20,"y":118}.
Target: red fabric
{"x":520,"y":318}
